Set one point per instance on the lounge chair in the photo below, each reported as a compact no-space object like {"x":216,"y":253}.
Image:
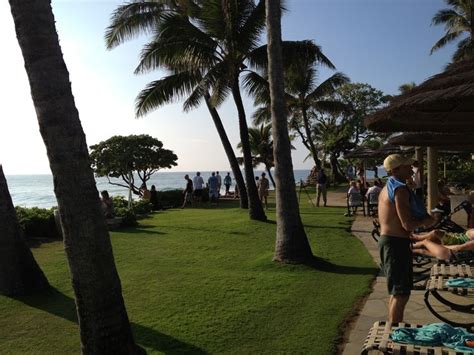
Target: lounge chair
{"x":436,"y":287}
{"x":378,"y":341}
{"x":355,"y":200}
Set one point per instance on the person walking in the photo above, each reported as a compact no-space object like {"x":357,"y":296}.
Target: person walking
{"x":188,"y":192}
{"x":321,"y":182}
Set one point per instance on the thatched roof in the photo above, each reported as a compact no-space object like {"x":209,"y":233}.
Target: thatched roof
{"x":382,"y":152}
{"x":445,"y":141}
{"x":443,"y":103}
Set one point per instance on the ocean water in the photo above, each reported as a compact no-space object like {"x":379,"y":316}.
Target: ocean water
{"x":38,"y":191}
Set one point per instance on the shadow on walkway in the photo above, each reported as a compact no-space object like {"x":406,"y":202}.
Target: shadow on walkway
{"x":61,"y":305}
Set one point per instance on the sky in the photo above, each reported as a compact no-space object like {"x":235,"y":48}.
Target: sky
{"x":385,"y":43}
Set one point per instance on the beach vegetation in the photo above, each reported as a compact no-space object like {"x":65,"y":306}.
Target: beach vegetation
{"x":20,"y":274}
{"x":458,"y":21}
{"x":125,"y":157}
{"x":201,"y":280}
{"x":37,"y":223}
{"x":103,"y":321}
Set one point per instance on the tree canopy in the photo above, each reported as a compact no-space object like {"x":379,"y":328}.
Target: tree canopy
{"x":118,"y":156}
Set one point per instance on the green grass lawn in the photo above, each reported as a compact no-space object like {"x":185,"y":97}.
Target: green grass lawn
{"x":203,"y":281}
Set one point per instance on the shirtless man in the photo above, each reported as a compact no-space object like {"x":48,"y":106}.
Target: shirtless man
{"x":399,"y":215}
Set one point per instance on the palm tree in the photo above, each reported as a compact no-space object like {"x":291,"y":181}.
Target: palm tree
{"x":206,"y":46}
{"x":261,"y":146}
{"x":458,"y":20}
{"x":303,"y":97}
{"x":103,"y":320}
{"x":19,"y":272}
{"x":291,"y":242}
{"x":132,"y":19}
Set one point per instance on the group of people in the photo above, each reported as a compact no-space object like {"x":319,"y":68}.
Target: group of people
{"x":400,"y":213}
{"x":194,"y":190}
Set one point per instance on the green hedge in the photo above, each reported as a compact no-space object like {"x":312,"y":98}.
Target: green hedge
{"x":37,"y":222}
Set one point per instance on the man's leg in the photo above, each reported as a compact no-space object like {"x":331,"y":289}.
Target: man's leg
{"x":318,"y":194}
{"x":325,"y":195}
{"x":397,"y":307}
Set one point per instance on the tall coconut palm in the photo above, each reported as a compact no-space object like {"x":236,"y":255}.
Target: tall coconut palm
{"x":261,"y":146}
{"x":303,"y":97}
{"x":291,"y":242}
{"x":135,"y":18}
{"x":19,"y":272}
{"x":103,"y":320}
{"x":458,"y":21}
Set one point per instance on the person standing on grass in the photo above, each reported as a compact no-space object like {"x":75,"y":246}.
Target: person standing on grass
{"x":213,"y":192}
{"x":227,"y":183}
{"x":188,"y":191}
{"x":399,"y":215}
{"x":263,"y":186}
{"x":198,"y":183}
{"x":321,"y":183}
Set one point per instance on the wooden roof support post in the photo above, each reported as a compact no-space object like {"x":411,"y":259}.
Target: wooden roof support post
{"x":419,"y":158}
{"x":432,"y":157}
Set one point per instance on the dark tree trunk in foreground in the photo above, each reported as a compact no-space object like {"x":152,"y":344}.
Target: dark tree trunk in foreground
{"x":103,"y":320}
{"x":256,"y":211}
{"x":239,"y":179}
{"x":19,"y":272}
{"x":291,"y":242}
{"x":336,"y":173}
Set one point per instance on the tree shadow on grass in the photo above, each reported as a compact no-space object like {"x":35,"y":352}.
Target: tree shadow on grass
{"x":140,"y":229}
{"x":54,"y":302}
{"x":321,"y":264}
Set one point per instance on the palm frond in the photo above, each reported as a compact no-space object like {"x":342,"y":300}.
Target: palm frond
{"x":257,"y":87}
{"x":465,"y":50}
{"x":251,"y":30}
{"x":330,"y":106}
{"x":132,"y":19}
{"x":449,"y":37}
{"x":328,"y":86}
{"x":262,"y":115}
{"x":166,"y":90}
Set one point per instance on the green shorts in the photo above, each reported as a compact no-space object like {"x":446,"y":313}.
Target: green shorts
{"x":397,"y":264}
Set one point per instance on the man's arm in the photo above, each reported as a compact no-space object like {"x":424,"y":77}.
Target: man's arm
{"x":402,"y":204}
{"x":469,"y":246}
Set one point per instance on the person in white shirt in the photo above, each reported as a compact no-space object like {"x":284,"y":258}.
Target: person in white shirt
{"x":219,"y":183}
{"x":198,"y":183}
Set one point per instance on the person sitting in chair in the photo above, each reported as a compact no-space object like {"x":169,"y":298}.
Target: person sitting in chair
{"x":107,"y":204}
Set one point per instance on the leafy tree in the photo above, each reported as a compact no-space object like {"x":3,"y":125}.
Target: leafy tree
{"x":291,"y":241}
{"x":363,"y":100}
{"x":261,"y":146}
{"x":19,"y":272}
{"x":458,"y":21}
{"x":119,"y":156}
{"x":103,"y":319}
{"x":407,"y":87}
{"x":132,"y":19}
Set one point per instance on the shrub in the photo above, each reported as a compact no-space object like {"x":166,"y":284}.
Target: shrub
{"x":170,"y":198}
{"x":129,"y":218}
{"x":37,"y":222}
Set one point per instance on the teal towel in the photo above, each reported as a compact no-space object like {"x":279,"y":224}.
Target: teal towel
{"x":461,"y":282}
{"x":436,"y":334}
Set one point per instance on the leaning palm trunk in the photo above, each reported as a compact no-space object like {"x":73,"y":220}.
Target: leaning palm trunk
{"x":291,"y":242}
{"x":103,"y":320}
{"x":19,"y":272}
{"x":270,"y":176}
{"x":244,"y":203}
{"x":335,"y":169}
{"x":256,"y":211}
{"x":309,"y":139}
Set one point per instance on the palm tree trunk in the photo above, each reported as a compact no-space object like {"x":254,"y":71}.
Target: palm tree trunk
{"x":19,"y":272}
{"x":270,"y":175}
{"x":291,"y":242}
{"x":103,"y":320}
{"x":256,"y":211}
{"x":334,"y":169}
{"x":309,"y":139}
{"x":239,"y":179}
